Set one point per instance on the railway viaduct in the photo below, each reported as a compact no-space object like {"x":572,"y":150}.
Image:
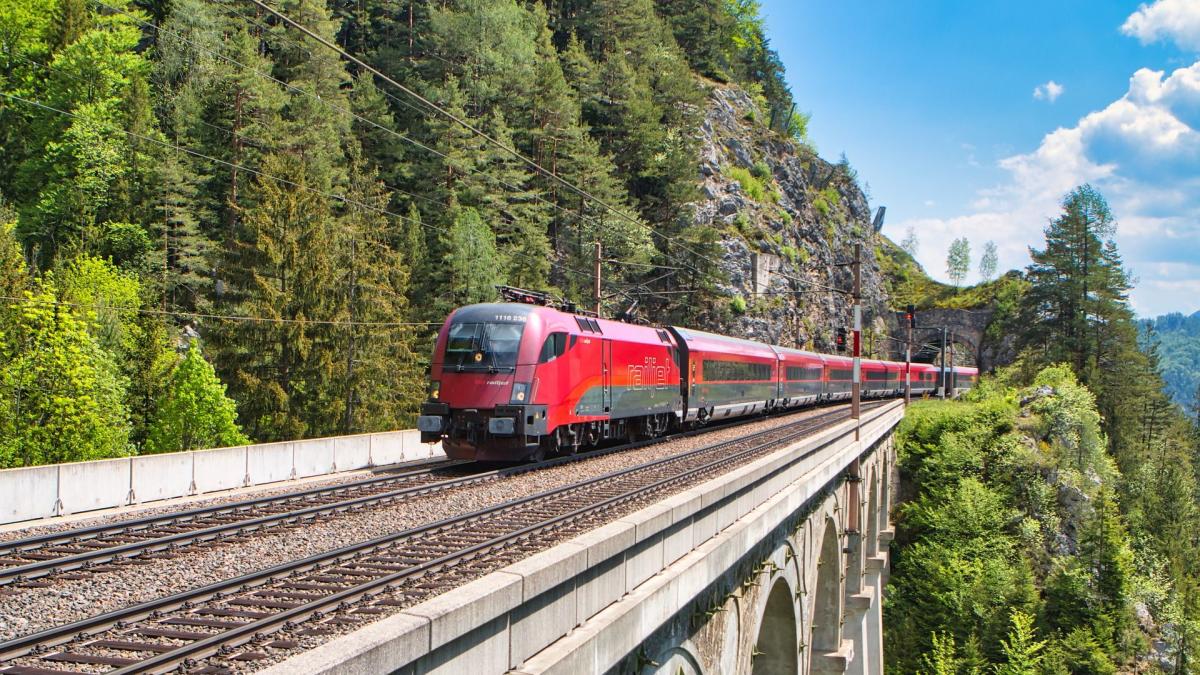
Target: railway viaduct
{"x":775,"y":567}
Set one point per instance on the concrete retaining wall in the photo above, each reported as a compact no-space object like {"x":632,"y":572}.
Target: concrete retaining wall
{"x":582,"y":606}
{"x":61,"y":489}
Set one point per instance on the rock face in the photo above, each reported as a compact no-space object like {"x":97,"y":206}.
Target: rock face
{"x":788,"y":222}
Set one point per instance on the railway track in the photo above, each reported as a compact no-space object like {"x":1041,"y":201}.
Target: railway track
{"x":74,"y":554}
{"x":276,"y":607}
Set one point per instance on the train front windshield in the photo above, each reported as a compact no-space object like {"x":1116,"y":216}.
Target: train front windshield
{"x":489,"y":347}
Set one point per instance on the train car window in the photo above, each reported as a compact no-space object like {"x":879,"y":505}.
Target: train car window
{"x":802,"y":373}
{"x":573,"y":339}
{"x":553,"y":347}
{"x":740,"y":371}
{"x":840,"y":374}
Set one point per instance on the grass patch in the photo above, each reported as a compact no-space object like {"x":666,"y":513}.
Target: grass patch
{"x":760,"y":191}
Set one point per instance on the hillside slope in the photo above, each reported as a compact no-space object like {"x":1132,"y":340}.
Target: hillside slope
{"x":1178,"y":340}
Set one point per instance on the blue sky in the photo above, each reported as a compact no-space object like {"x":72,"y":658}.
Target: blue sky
{"x":974,"y":118}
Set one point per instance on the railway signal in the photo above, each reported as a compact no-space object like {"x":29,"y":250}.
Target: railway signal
{"x":839,"y":339}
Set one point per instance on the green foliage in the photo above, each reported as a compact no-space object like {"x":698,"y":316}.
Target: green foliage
{"x":942,"y":658}
{"x":1022,"y":651}
{"x":738,"y":304}
{"x":61,"y":393}
{"x":292,"y":227}
{"x":972,"y":542}
{"x":474,"y":263}
{"x":761,"y":190}
{"x":1070,"y":422}
{"x":194,"y":413}
{"x":826,"y":200}
{"x":958,"y":260}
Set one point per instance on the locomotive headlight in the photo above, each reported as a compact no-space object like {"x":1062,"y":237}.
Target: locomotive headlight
{"x":435,"y":388}
{"x":520,"y":392}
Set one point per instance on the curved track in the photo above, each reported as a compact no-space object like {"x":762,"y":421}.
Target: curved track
{"x":372,"y":577}
{"x":73,"y":554}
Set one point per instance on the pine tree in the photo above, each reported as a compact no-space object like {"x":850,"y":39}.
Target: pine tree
{"x":1104,"y":548}
{"x":1022,"y":651}
{"x":194,"y":412}
{"x":473,"y":262}
{"x":1078,"y":284}
{"x":378,"y":373}
{"x":704,"y":30}
{"x":282,"y":270}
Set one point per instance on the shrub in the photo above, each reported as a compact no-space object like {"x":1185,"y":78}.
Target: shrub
{"x":761,"y":170}
{"x":753,"y":187}
{"x":738,"y":304}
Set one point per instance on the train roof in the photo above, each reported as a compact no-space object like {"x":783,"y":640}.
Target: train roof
{"x":711,"y":342}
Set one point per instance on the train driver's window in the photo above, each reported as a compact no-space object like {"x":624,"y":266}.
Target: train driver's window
{"x":555,"y":345}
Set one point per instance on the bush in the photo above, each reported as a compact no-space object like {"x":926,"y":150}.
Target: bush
{"x":753,"y":187}
{"x":738,"y":304}
{"x":761,"y":170}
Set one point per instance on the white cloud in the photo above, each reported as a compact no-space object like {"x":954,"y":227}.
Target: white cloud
{"x":929,"y":203}
{"x":1175,"y":20}
{"x":1142,"y":151}
{"x":1049,"y":91}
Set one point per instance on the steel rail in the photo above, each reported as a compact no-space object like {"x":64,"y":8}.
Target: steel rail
{"x":235,"y":636}
{"x":17,"y":546}
{"x":172,"y":541}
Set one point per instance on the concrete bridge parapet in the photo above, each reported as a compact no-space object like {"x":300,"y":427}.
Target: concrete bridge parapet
{"x":775,"y":567}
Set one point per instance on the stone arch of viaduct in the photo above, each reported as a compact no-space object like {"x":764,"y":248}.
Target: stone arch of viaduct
{"x":812,"y":604}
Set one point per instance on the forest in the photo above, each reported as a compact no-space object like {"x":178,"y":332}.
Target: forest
{"x":1049,"y":521}
{"x":1177,"y":340}
{"x":215,"y":229}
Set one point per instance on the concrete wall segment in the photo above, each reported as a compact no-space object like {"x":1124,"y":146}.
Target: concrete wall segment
{"x":28,"y":493}
{"x":463,"y":609}
{"x":269,"y":462}
{"x":161,"y":476}
{"x":222,"y":469}
{"x":314,"y":457}
{"x":387,"y":448}
{"x":86,"y":486}
{"x":352,"y":452}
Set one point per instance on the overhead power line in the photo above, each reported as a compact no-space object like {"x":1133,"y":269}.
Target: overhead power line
{"x":256,"y":172}
{"x":219,"y":317}
{"x":499,"y":144}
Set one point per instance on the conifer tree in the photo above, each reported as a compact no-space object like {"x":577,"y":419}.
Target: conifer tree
{"x":473,"y":262}
{"x":381,"y":383}
{"x":88,"y":168}
{"x":282,"y":270}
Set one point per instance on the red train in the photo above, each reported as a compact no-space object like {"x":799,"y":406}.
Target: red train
{"x":513,"y":381}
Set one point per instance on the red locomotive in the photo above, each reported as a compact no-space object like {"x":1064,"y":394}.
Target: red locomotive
{"x":515,"y":381}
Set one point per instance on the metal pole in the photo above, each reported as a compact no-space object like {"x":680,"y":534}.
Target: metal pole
{"x":856,"y":387}
{"x":909,"y":319}
{"x":943,"y":376}
{"x":596,"y":283}
{"x":953,"y":379}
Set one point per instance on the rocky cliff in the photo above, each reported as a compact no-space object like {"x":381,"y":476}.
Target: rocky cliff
{"x":789,"y":221}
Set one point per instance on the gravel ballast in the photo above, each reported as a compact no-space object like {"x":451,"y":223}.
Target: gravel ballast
{"x":28,"y":610}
